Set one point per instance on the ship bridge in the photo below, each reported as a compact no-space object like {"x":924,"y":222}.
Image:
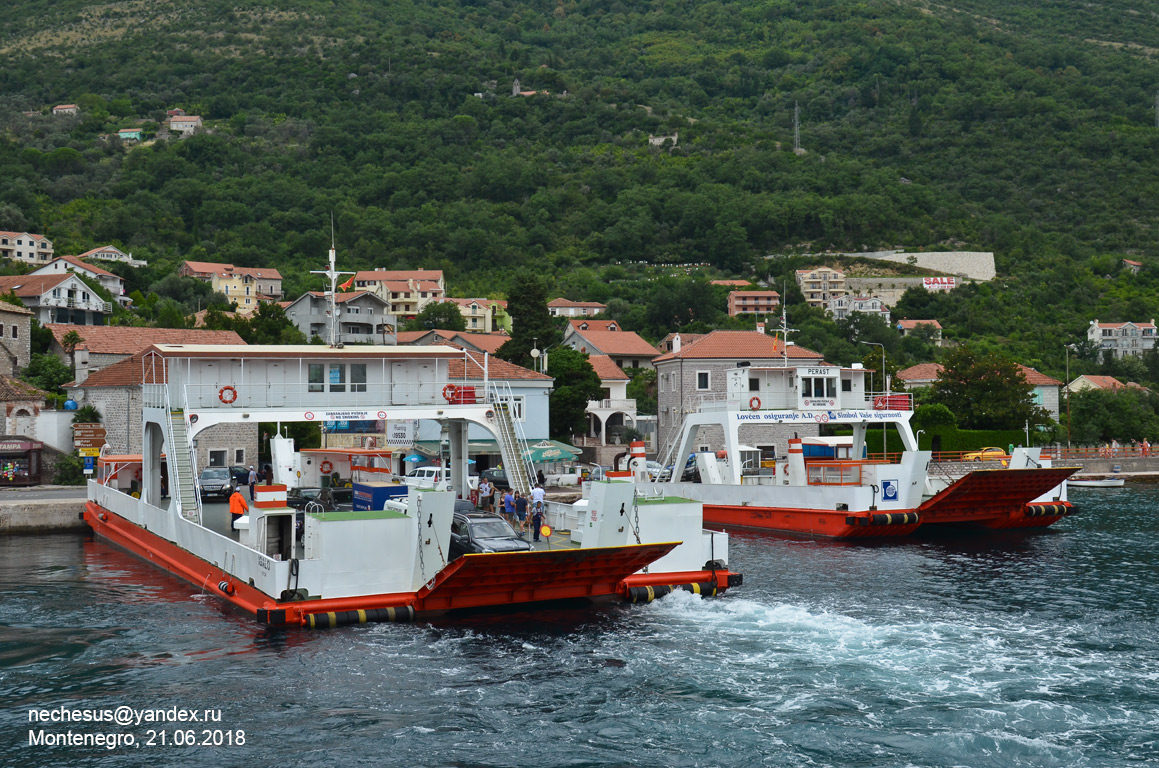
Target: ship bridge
{"x":189,"y":388}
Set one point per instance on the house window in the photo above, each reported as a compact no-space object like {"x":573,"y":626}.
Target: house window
{"x":217,"y":458}
{"x":316,"y":383}
{"x":239,"y":456}
{"x":514,"y":406}
{"x":703,"y":380}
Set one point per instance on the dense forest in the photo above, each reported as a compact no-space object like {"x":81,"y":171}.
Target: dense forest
{"x":1026,"y":130}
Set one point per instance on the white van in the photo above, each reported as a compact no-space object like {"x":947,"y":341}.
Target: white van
{"x":429,"y":477}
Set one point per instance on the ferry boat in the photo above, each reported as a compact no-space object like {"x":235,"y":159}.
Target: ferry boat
{"x":830,"y":488}
{"x":376,"y":564}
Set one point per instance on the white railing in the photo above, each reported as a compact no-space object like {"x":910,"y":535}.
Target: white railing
{"x":619,"y":404}
{"x":113,"y":500}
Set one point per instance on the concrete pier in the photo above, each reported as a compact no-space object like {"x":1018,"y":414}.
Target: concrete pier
{"x":41,"y":516}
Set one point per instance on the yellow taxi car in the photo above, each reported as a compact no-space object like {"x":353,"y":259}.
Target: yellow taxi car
{"x":986,"y":454}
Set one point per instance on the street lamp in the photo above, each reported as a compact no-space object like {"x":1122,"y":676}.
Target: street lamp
{"x":1067,"y":348}
{"x":918,"y":438}
{"x":884,"y":435}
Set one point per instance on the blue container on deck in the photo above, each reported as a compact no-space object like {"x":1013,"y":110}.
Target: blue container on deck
{"x":374,"y":495}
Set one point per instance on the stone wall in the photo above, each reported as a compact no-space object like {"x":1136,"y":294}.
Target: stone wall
{"x":977,"y":265}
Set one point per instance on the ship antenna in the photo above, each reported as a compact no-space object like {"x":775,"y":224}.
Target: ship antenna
{"x":333,"y":274}
{"x":784,"y":330}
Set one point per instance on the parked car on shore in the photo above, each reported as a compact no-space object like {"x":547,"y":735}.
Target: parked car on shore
{"x":986,"y":454}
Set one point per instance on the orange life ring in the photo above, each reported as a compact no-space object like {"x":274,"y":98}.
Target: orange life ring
{"x":449,"y":393}
{"x":326,"y":467}
{"x":227,"y":394}
{"x":755,"y":404}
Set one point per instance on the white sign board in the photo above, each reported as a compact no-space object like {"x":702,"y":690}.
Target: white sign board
{"x":940,"y":283}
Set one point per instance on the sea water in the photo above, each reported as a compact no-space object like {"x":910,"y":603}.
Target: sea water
{"x":1037,"y":649}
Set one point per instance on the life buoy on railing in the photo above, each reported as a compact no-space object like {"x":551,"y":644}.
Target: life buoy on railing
{"x":449,"y":393}
{"x":755,"y":404}
{"x":879,"y":403}
{"x":326,"y":467}
{"x":227,"y":394}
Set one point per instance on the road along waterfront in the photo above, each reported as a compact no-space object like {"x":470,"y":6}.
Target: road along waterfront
{"x":1010,"y":650}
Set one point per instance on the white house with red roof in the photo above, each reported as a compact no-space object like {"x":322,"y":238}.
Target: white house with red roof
{"x":694,"y":374}
{"x":65,"y":109}
{"x":568,"y":308}
{"x":112,"y":253}
{"x":1091,"y":381}
{"x":906,"y":327}
{"x":63,"y":298}
{"x":1122,"y":339}
{"x":841,"y":307}
{"x":26,"y":247}
{"x":363,"y":317}
{"x":615,"y":409}
{"x":1133,"y":266}
{"x":604,"y":337}
{"x":407,"y":290}
{"x":114,"y":284}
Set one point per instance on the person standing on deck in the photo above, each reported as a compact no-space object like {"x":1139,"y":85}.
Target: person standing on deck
{"x":509,"y":506}
{"x":485,"y":494}
{"x":253,"y":481}
{"x":237,"y":507}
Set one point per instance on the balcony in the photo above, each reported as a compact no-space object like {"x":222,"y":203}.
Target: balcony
{"x":627,"y":405}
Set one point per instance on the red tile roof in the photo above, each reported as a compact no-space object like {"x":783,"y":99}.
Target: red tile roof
{"x":921,"y":372}
{"x":144,"y":367}
{"x":731,"y":282}
{"x":593,"y":325}
{"x":909,"y":325}
{"x":342,"y":296}
{"x":488,"y":342}
{"x":1036,"y":379}
{"x":123,"y":340}
{"x":1103,"y":382}
{"x":20,"y":310}
{"x":384,"y":275}
{"x":730,"y":345}
{"x":12,"y":388}
{"x":496,"y":369}
{"x":29,"y":286}
{"x":685,"y":339}
{"x":76,"y":262}
{"x":229,"y":270}
{"x":607,"y":369}
{"x":6,"y":233}
{"x":617,"y":343}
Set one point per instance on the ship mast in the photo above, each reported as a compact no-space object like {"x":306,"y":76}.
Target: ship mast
{"x":331,"y":294}
{"x":784,"y":330}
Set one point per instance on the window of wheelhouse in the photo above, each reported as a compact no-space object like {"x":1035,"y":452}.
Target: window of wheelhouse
{"x":337,"y":377}
{"x":316,"y":380}
{"x":818,"y":386}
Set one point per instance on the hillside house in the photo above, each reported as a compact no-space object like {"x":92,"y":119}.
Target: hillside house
{"x":820,"y":284}
{"x":569,"y":308}
{"x":1122,"y":339}
{"x":62,"y":298}
{"x":363,"y":317}
{"x":185,"y":125}
{"x":25,"y":247}
{"x":114,"y":284}
{"x":753,"y":303}
{"x":604,"y":337}
{"x":407,"y":290}
{"x":112,"y":253}
{"x":841,"y":307}
{"x":907,"y":327}
{"x":245,"y":286}
{"x":65,"y":109}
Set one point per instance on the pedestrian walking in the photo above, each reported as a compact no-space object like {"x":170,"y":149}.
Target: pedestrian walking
{"x":536,"y":520}
{"x":253,"y":481}
{"x":509,"y":506}
{"x":521,"y":512}
{"x":237,"y":507}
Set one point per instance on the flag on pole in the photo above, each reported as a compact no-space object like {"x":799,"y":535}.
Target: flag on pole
{"x":347,"y":285}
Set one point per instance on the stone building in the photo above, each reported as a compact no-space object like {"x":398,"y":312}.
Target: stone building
{"x":103,"y":345}
{"x":694,"y":375}
{"x":15,"y":338}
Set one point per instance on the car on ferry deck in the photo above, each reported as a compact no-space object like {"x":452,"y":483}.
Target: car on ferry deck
{"x":483,"y":532}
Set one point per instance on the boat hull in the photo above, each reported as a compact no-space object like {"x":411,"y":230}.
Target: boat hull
{"x":993,"y":499}
{"x":472,"y":581}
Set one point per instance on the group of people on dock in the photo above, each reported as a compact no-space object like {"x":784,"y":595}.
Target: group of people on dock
{"x":1113,"y":450}
{"x":519,"y":510}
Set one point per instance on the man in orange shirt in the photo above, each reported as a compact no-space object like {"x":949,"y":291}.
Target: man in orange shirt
{"x":237,"y":507}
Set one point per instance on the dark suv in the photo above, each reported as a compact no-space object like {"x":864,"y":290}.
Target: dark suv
{"x":333,"y":499}
{"x":481,"y":532}
{"x":497,"y":478}
{"x":214,"y":482}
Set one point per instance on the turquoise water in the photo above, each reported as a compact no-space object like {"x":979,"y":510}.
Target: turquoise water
{"x":1023,"y":650}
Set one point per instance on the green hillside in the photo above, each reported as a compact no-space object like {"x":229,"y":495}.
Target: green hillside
{"x":1027,"y":131}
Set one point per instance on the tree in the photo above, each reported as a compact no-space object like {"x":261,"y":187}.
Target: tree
{"x":268,"y":325}
{"x":87,"y":414}
{"x":642,"y":389}
{"x":70,"y":341}
{"x":47,"y":372}
{"x":576,"y":382}
{"x":1100,"y":415}
{"x":985,"y":391}
{"x":531,"y":322}
{"x":444,"y":315}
